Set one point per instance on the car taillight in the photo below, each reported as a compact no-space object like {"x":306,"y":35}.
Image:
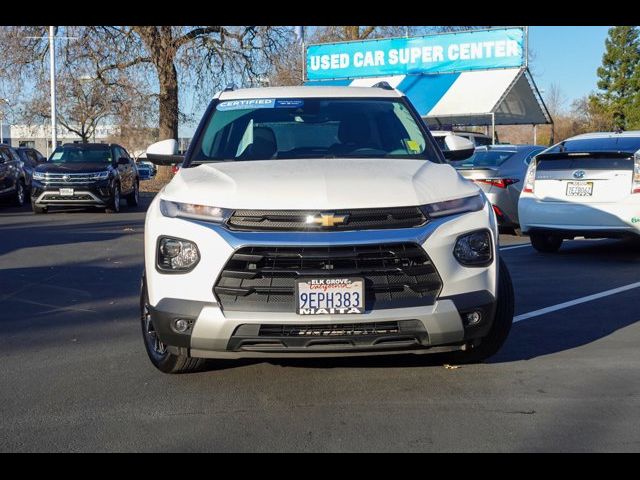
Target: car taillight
{"x":635,"y":187}
{"x":530,"y":177}
{"x":498,"y":211}
{"x":498,"y":182}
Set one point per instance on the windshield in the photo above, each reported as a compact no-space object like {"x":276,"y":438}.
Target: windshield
{"x":486,"y":158}
{"x":602,"y":144}
{"x":269,"y":128}
{"x":81,"y":154}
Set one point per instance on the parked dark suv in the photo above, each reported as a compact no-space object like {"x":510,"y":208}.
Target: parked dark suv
{"x":31,"y":158}
{"x":85,"y":174}
{"x":13,"y":183}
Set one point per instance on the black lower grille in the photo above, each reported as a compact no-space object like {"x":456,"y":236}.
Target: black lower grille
{"x":263,"y":278}
{"x":305,"y":220}
{"x":337,"y":330}
{"x":81,"y":197}
{"x":404,"y":334}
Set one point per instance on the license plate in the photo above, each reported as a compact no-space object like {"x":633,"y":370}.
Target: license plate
{"x":326,"y":296}
{"x":66,"y":192}
{"x":579,"y":189}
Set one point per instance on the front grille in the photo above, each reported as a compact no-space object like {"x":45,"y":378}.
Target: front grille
{"x":77,"y":197}
{"x":263,"y":278}
{"x":357,"y":219}
{"x":404,"y":334}
{"x":336,"y":330}
{"x":69,"y":178}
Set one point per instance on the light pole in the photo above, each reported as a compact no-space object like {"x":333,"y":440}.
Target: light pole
{"x":52,"y":69}
{"x":2,"y":100}
{"x":52,"y":77}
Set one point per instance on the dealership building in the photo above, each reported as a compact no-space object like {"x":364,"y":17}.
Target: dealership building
{"x":39,"y":136}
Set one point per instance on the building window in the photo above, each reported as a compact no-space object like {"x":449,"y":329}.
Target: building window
{"x":27,"y":143}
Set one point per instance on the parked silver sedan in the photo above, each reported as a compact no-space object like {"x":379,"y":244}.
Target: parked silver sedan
{"x":499,"y":170}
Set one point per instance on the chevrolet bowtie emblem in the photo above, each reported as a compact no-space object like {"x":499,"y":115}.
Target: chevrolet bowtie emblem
{"x":327,"y":219}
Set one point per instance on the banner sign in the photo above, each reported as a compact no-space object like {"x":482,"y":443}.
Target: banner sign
{"x":451,"y":52}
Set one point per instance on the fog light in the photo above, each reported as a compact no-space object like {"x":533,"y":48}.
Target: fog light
{"x":472,"y":318}
{"x":474,"y":249}
{"x":180,"y":325}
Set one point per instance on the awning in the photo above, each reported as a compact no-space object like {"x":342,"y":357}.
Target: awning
{"x":504,"y":97}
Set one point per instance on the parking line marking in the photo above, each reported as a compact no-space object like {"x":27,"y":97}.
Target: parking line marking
{"x":577,"y":301}
{"x":511,"y":247}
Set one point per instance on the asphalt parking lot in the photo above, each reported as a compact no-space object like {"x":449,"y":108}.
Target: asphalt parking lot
{"x":74,"y":374}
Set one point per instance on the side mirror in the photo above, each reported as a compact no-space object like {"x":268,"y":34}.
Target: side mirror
{"x":123,"y":161}
{"x":459,"y":148}
{"x":164,"y":152}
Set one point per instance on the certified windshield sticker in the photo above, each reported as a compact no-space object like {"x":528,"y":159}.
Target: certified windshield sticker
{"x":248,"y":104}
{"x":253,"y":103}
{"x":289,"y":103}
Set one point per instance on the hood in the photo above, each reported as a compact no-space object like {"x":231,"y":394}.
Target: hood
{"x":71,"y":167}
{"x":322,"y":184}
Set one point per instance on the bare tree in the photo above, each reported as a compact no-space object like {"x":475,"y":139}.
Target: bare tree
{"x":554,"y":99}
{"x":205,"y":57}
{"x":165,"y":57}
{"x":83,"y":104}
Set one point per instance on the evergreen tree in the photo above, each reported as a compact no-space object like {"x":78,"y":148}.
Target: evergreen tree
{"x":619,"y":76}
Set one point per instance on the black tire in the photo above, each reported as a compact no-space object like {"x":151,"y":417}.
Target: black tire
{"x":158,"y":353}
{"x":133,"y":197}
{"x":545,"y":242}
{"x":19,"y":198}
{"x":38,"y":210}
{"x":114,"y":203}
{"x":493,"y":341}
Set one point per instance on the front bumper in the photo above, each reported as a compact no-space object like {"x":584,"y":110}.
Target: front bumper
{"x":215,"y":334}
{"x":219,"y":333}
{"x":96,"y":193}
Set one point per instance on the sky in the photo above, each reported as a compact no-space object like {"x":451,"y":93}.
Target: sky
{"x":566,"y":56}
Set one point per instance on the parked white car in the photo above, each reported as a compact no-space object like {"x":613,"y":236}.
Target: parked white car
{"x":588,"y":185}
{"x":318,"y":221}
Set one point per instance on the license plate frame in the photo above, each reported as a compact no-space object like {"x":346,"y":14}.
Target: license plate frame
{"x":572,"y":186}
{"x":66,"y":192}
{"x":324,"y":286}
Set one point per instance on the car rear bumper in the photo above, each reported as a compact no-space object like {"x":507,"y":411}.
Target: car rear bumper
{"x":597,"y":219}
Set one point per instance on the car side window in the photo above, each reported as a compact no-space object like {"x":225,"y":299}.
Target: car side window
{"x":13,"y":155}
{"x":3,"y":156}
{"x":33,"y":157}
{"x":121,"y":152}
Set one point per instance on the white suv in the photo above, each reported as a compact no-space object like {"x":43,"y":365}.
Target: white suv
{"x":318,"y":221}
{"x":588,"y":185}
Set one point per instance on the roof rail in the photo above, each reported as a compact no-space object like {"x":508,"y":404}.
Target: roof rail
{"x":383,"y":85}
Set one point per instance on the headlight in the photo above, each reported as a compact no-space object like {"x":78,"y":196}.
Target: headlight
{"x":452,"y":207}
{"x":38,"y":176}
{"x":197,"y":212}
{"x":176,"y":255}
{"x":474,"y":249}
{"x":100,"y":176}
